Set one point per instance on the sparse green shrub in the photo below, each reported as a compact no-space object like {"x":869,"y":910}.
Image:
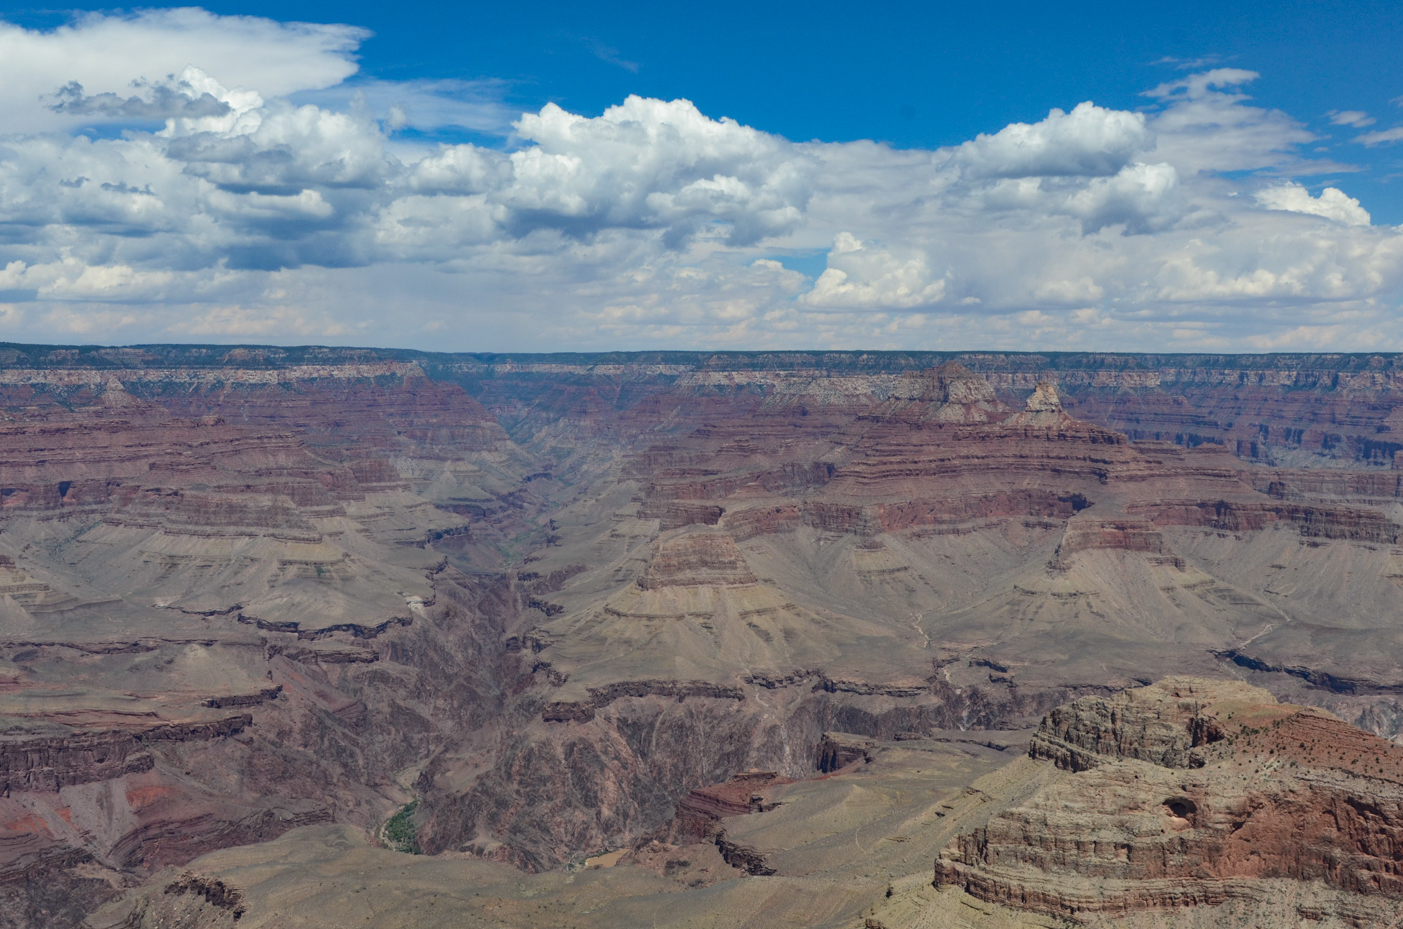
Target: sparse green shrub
{"x":399,"y":831}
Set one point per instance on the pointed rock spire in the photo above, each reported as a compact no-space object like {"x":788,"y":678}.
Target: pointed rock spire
{"x":1044,"y":399}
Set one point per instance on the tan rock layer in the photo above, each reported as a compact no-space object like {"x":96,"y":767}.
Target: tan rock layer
{"x":1186,"y":793}
{"x":695,"y":559}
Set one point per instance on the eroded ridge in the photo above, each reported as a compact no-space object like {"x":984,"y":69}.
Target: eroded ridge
{"x":1191,"y":792}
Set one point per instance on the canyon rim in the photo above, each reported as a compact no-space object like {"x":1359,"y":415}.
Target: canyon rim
{"x":327,"y":637}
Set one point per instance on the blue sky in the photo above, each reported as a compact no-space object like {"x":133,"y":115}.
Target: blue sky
{"x":916,"y":75}
{"x":1237,"y":183}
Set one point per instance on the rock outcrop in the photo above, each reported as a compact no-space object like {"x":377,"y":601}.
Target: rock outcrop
{"x":696,"y":559}
{"x":950,"y":393}
{"x":837,"y":750}
{"x":1189,"y":793}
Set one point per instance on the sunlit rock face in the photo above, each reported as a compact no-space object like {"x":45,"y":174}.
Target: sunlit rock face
{"x":1186,"y":793}
{"x":250,"y":592}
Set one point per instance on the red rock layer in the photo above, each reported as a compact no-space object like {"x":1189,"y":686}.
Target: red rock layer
{"x":1322,"y":521}
{"x":922,"y":459}
{"x":700,"y":812}
{"x":1184,"y":793}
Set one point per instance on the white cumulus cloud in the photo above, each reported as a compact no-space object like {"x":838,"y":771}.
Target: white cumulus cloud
{"x":1331,"y":204}
{"x":122,"y":53}
{"x":260,"y":189}
{"x":1090,"y":141}
{"x":860,"y":275}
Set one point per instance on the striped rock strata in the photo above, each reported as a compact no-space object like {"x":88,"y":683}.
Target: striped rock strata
{"x":1193,"y":793}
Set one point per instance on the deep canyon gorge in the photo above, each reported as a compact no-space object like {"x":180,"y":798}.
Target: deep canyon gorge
{"x":325,"y":637}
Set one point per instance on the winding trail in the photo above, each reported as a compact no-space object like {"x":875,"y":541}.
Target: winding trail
{"x":915,"y":622}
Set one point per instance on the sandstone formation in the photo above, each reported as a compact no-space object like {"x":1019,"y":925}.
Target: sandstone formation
{"x":1191,"y":793}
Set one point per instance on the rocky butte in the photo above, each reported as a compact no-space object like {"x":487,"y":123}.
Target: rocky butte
{"x":1193,"y":793}
{"x":685,"y":639}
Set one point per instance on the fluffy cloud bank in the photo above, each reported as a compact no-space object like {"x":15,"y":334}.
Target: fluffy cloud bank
{"x":106,"y":53}
{"x":212,"y":201}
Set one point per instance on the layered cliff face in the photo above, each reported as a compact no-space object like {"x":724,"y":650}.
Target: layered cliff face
{"x":204,"y":487}
{"x":222,"y":617}
{"x":1192,"y":793}
{"x":1294,"y":410}
{"x":554,"y":598}
{"x":833,"y":559}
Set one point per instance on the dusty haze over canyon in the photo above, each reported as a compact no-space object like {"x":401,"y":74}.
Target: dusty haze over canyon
{"x":323,"y":637}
